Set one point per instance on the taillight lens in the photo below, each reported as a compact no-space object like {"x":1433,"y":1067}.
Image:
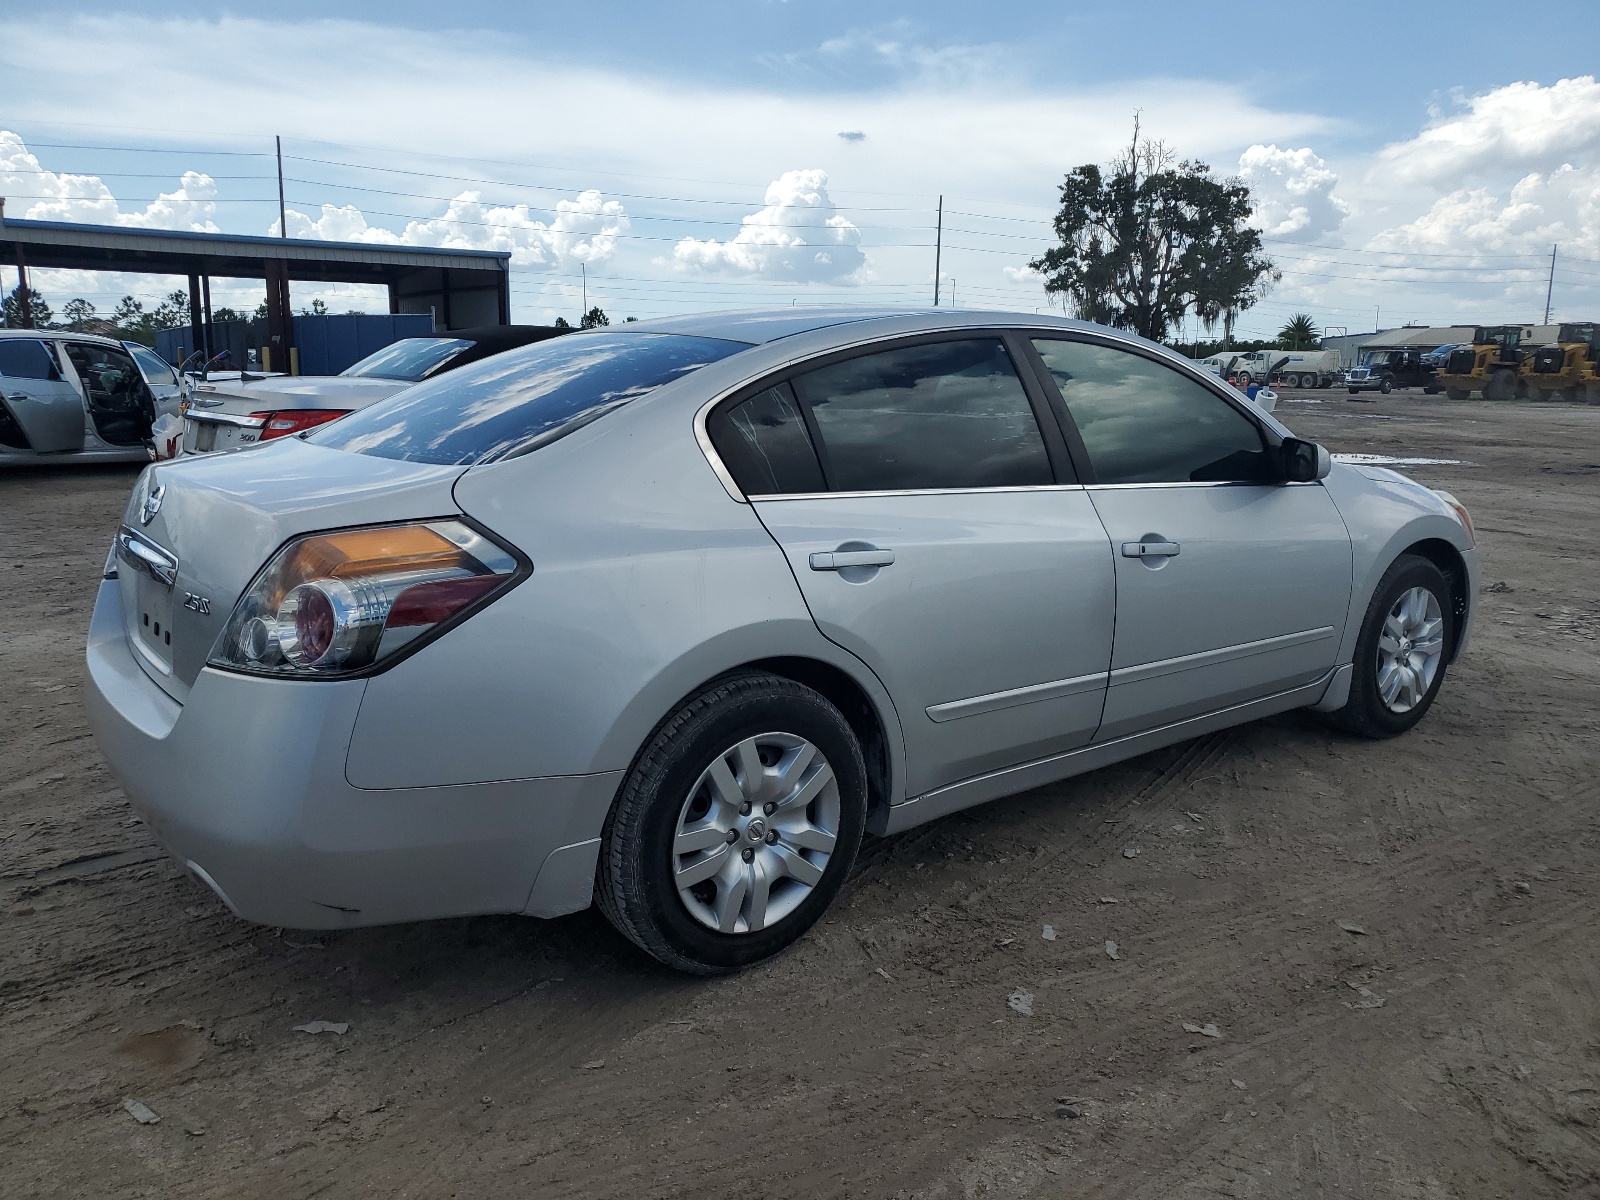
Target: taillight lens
{"x":335,"y":604}
{"x":289,"y":421}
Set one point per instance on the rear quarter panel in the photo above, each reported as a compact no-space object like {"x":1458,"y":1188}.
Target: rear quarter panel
{"x":648,"y":580}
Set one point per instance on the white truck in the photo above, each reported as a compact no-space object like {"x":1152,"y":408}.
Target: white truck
{"x":1295,"y":368}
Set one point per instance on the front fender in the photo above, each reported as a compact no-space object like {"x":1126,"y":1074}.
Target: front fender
{"x":1386,"y":514}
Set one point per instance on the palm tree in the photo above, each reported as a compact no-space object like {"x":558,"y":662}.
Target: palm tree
{"x":1300,"y":333}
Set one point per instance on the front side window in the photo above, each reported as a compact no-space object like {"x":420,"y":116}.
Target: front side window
{"x":1143,"y":422}
{"x":765,"y":446}
{"x":937,"y":415}
{"x":410,"y":359}
{"x":513,"y":402}
{"x":156,"y":369}
{"x":24,"y":358}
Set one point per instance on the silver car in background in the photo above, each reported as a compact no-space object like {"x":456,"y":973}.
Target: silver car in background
{"x":668,"y":616}
{"x":68,"y":397}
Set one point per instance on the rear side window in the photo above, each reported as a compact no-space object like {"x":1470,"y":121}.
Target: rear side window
{"x":517,"y":401}
{"x":1143,"y":422}
{"x":764,"y":444}
{"x":937,"y":415}
{"x":23,"y":358}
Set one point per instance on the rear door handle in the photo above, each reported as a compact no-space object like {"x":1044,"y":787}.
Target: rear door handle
{"x":1150,"y":549}
{"x":833,"y":560}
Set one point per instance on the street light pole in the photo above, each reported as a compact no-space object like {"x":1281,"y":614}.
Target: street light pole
{"x":938,"y":251}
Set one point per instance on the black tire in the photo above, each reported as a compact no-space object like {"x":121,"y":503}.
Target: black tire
{"x":1457,"y":394}
{"x":1355,"y":391}
{"x":1386,"y":387}
{"x":635,"y":885}
{"x":1500,"y":386}
{"x":1365,"y":713}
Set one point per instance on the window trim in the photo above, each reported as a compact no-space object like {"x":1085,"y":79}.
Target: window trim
{"x":1062,"y":468}
{"x":1270,"y":438}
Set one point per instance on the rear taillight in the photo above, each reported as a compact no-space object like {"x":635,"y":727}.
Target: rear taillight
{"x":288,"y":421}
{"x":335,"y":604}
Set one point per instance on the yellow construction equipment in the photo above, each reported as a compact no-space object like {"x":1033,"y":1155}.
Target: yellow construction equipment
{"x":1490,"y":365}
{"x":1567,"y":369}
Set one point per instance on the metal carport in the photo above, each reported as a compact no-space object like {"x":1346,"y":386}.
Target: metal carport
{"x":459,"y":288}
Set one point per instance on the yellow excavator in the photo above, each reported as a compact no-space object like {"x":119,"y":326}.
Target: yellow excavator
{"x":1568,"y":368}
{"x":1490,"y":365}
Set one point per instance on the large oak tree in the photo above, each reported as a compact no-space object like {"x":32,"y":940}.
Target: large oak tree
{"x":1152,"y":239}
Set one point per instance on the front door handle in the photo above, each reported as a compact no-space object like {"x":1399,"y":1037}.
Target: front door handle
{"x":833,"y":560}
{"x":1150,"y":549}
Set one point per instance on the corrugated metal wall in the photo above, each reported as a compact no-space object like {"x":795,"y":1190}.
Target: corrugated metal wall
{"x":327,"y":344}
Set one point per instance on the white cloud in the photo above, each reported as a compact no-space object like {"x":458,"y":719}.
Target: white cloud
{"x":1293,"y":192}
{"x":584,"y":230}
{"x":1535,"y":212}
{"x":799,"y":235}
{"x":1520,"y":127}
{"x":41,"y":195}
{"x":1023,"y":274}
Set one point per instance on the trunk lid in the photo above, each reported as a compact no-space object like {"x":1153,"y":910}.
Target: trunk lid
{"x":209,"y":524}
{"x":218,"y":416}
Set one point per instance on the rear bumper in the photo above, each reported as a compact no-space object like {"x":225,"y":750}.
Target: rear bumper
{"x":245,"y":785}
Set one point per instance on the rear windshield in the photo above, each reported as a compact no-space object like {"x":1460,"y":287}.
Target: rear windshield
{"x":521,"y":399}
{"x":409,"y":359}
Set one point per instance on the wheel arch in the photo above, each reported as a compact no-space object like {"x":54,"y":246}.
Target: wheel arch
{"x":856,"y":693}
{"x":1450,"y":561}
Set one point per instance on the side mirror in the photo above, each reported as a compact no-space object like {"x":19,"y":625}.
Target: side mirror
{"x":1303,"y":461}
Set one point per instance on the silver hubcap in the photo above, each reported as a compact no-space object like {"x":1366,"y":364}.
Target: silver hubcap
{"x":756,"y":833}
{"x":1409,"y":649}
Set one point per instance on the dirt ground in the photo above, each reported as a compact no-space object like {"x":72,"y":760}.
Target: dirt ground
{"x":1452,"y":1049}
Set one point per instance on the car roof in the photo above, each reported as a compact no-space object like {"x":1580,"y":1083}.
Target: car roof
{"x":494,"y":338}
{"x":61,"y":334}
{"x":758,"y":326}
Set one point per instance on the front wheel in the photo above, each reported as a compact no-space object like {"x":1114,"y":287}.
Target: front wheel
{"x":736,"y":827}
{"x":1386,"y":387}
{"x":1400,"y":657}
{"x":1457,"y":394}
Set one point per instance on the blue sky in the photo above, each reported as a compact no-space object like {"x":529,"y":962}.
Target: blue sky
{"x":1413,"y":159}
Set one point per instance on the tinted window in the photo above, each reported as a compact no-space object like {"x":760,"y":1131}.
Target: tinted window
{"x":940,"y":415}
{"x":1143,"y":422}
{"x":409,"y":358}
{"x":764,"y":444}
{"x":27,"y":359}
{"x":513,"y":402}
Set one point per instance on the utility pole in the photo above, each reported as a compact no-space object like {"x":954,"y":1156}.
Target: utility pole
{"x":938,"y":251}
{"x":1551,"y":286}
{"x":585,"y":313}
{"x":952,"y":291}
{"x":283,"y":216}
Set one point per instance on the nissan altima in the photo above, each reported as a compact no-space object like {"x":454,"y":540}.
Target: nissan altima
{"x":667,"y":617}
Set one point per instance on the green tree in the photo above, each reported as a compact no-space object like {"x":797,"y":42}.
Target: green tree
{"x":38,"y":310}
{"x":318,"y":308}
{"x":629,"y":320}
{"x":228,"y":314}
{"x":594,"y":318}
{"x":1153,"y":238}
{"x":563,"y":323}
{"x":77,"y":312}
{"x":1299,"y":333}
{"x":172,"y":312}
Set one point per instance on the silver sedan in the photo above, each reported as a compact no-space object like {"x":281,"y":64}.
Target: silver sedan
{"x":667,"y":617}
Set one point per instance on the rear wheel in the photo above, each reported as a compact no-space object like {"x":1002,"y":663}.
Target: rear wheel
{"x":1400,"y":658}
{"x":736,"y":826}
{"x":1355,"y":391}
{"x":1457,"y":394}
